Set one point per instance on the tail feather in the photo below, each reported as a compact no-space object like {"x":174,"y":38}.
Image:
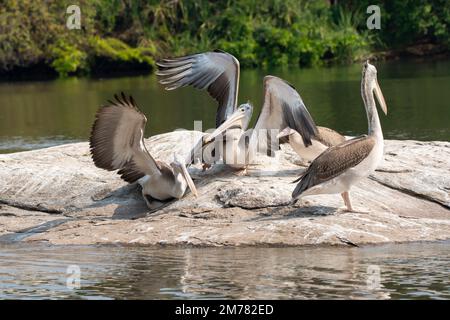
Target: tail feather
{"x":300,"y":177}
{"x":305,"y":181}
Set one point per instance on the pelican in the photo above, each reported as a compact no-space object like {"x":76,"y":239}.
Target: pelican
{"x":218,"y":72}
{"x":339,"y":167}
{"x":117,"y":143}
{"x":324,"y":139}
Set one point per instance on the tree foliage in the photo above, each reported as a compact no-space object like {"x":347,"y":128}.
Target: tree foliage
{"x":135,"y":33}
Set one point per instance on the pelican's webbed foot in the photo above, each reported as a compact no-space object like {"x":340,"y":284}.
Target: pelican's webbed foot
{"x":353,"y":210}
{"x":348,"y":204}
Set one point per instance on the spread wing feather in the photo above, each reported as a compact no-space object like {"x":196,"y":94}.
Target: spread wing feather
{"x":283,"y":107}
{"x":117,"y":141}
{"x":217,"y":71}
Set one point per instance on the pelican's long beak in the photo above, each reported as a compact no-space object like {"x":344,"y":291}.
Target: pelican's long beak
{"x":285,"y":132}
{"x":230,"y":122}
{"x":188,"y":179}
{"x":380,"y":97}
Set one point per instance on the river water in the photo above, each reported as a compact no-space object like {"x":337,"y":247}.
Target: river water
{"x":397,"y":271}
{"x":41,"y":114}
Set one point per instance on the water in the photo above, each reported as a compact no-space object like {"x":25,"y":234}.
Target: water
{"x":41,"y":114}
{"x":407,"y":271}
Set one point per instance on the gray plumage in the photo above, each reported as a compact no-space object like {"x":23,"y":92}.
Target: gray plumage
{"x":217,"y":71}
{"x":283,"y":107}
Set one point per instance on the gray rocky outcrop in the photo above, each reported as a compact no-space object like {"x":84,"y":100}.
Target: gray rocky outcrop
{"x":58,"y":195}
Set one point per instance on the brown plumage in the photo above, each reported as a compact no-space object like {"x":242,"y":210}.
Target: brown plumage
{"x":338,"y":168}
{"x":329,"y":137}
{"x":333,"y":162}
{"x":116,"y":140}
{"x":166,"y":171}
{"x":117,"y":143}
{"x":129,"y":172}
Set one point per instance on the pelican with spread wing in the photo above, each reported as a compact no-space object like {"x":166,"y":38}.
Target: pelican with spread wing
{"x":324,"y":138}
{"x":283,"y":110}
{"x":339,"y":167}
{"x":117,"y":143}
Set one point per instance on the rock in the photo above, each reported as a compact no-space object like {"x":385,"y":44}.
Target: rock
{"x":58,"y":195}
{"x":421,"y":169}
{"x":15,"y":222}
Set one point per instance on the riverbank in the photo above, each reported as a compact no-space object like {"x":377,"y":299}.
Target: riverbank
{"x":61,"y":192}
{"x":101,"y":38}
{"x":115,"y":69}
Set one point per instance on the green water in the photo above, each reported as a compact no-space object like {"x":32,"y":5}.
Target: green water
{"x":40,"y":114}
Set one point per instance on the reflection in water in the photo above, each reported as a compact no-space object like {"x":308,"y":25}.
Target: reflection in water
{"x":411,"y":271}
{"x":51,"y":112}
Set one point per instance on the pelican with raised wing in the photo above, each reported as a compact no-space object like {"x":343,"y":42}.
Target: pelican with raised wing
{"x":117,"y":143}
{"x":324,"y":139}
{"x":338,"y":168}
{"x":218,"y":72}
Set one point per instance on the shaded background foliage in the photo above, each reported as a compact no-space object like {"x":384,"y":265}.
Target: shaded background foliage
{"x":129,"y":35}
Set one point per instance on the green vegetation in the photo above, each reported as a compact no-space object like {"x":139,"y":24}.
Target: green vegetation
{"x":127,"y":35}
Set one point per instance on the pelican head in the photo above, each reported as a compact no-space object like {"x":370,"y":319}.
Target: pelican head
{"x":179,"y":167}
{"x":239,"y":119}
{"x":370,"y":83}
{"x":247,"y":110}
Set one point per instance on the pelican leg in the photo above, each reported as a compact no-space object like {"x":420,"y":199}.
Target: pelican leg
{"x":346,"y":196}
{"x":348,"y":204}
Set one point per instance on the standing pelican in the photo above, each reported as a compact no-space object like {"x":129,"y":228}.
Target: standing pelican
{"x":117,"y":143}
{"x":218,"y":72}
{"x":341,"y":166}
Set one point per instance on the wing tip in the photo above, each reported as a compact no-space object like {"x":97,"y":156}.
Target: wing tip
{"x":303,"y":183}
{"x":121,"y":100}
{"x":269,"y":78}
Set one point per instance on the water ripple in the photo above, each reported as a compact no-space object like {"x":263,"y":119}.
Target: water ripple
{"x":409,"y":271}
